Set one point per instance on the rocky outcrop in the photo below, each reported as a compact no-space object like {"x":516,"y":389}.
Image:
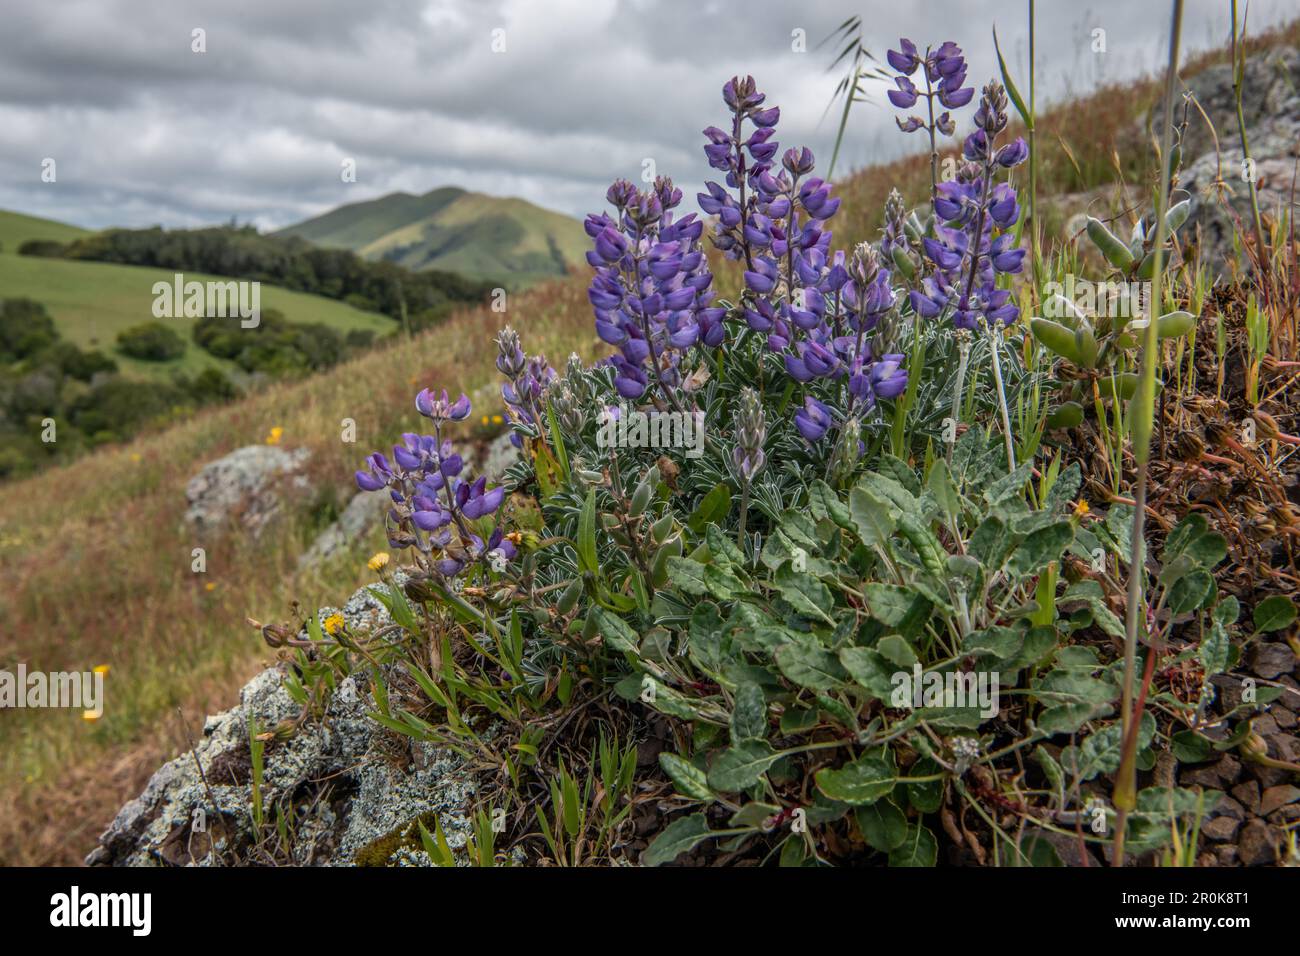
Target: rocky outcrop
{"x":249,"y":486}
{"x":1215,"y":181}
{"x":349,"y":787}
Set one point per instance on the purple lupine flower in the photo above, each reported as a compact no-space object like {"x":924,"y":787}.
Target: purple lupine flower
{"x":945,"y":72}
{"x":440,"y":409}
{"x":652,"y":291}
{"x":813,"y":420}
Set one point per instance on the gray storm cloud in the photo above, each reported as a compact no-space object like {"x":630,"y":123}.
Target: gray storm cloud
{"x":145,"y":131}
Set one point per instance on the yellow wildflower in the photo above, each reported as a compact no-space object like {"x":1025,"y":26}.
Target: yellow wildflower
{"x":274,"y":437}
{"x":1081,"y":508}
{"x":378,"y":561}
{"x":497,"y":420}
{"x":210,"y":586}
{"x":333,"y":624}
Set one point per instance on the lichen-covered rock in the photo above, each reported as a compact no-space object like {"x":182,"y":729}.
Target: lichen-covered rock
{"x":249,"y":485}
{"x":344,"y":782}
{"x":1215,"y":181}
{"x":364,"y":511}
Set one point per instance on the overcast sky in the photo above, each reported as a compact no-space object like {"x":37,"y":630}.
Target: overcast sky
{"x":145,"y":131}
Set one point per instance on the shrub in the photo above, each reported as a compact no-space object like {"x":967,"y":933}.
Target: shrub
{"x":151,"y":342}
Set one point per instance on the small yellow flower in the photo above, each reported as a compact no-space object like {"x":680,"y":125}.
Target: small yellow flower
{"x":89,"y":715}
{"x":210,"y":586}
{"x":485,"y":419}
{"x":275,"y":435}
{"x":1081,"y":508}
{"x":378,"y":561}
{"x":101,"y":669}
{"x":333,"y":624}
{"x":497,"y":420}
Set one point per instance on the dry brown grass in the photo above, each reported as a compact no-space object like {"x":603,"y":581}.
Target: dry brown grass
{"x":96,"y":565}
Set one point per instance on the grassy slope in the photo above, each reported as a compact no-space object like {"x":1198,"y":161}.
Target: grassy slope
{"x":96,"y":567}
{"x":470,"y":233}
{"x":91,"y":302}
{"x":16,"y":228}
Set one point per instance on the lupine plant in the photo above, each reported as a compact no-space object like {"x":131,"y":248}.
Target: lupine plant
{"x":799,"y":593}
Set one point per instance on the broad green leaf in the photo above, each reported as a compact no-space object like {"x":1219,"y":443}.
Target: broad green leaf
{"x":741,"y":765}
{"x":748,"y":713}
{"x":616,"y":632}
{"x":869,"y":670}
{"x":919,"y":848}
{"x":823,"y":502}
{"x":804,"y":593}
{"x":863,"y":781}
{"x":872,"y":517}
{"x":687,"y":576}
{"x":883,"y":825}
{"x":678,"y":837}
{"x":689,"y":779}
{"x":888,"y":603}
{"x":810,"y":667}
{"x":1274,"y":613}
{"x":1039,"y":547}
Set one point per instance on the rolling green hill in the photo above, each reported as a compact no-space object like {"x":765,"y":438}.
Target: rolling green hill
{"x":16,"y":228}
{"x":483,"y":237}
{"x":91,"y":302}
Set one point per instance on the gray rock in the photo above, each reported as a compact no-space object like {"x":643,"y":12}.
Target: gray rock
{"x":364,"y":511}
{"x":349,"y":780}
{"x":249,"y":485}
{"x":1270,"y":660}
{"x":1279,"y":796}
{"x":1271,"y":109}
{"x":1258,"y":844}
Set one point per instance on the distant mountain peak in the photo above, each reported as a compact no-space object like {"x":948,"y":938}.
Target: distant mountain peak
{"x":453,"y":229}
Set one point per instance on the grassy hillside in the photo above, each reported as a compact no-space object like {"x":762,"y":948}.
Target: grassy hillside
{"x":469,"y":233}
{"x":91,"y":302}
{"x":96,"y":566}
{"x":16,"y":228}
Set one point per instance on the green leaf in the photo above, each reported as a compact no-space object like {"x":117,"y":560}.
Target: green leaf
{"x":712,"y":508}
{"x":748,"y":713}
{"x":810,"y":667}
{"x":616,"y":632}
{"x":824,"y":503}
{"x":741,"y":765}
{"x":678,"y":837}
{"x":804,"y":593}
{"x":1191,"y":592}
{"x":864,"y":781}
{"x":889,"y":603}
{"x":1010,"y":85}
{"x":869,"y":670}
{"x":721,"y":547}
{"x":944,"y":489}
{"x":689,"y":779}
{"x":687,"y":576}
{"x":919,"y":848}
{"x":587,"y":535}
{"x":1040,"y":547}
{"x":897,"y":651}
{"x":1274,"y":613}
{"x":883,"y":825}
{"x":872,"y":518}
